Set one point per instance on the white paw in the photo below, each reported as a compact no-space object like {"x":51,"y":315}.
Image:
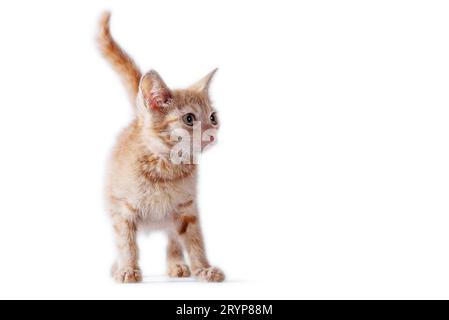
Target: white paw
{"x":211,"y":274}
{"x":178,"y":270}
{"x":127,"y":275}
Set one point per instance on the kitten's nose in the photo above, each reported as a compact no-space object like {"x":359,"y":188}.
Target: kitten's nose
{"x":208,"y":141}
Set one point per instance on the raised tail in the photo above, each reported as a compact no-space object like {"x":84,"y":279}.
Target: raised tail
{"x":120,"y":60}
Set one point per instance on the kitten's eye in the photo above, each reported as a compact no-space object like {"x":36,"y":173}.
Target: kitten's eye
{"x":188,"y":119}
{"x":214,"y":118}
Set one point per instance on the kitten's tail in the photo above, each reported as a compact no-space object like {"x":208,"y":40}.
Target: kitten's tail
{"x":123,"y":64}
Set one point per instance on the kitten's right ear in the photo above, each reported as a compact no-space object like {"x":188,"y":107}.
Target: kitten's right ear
{"x":155,"y":92}
{"x":204,"y":83}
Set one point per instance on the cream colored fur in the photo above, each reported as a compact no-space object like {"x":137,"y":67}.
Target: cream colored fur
{"x":145,"y":189}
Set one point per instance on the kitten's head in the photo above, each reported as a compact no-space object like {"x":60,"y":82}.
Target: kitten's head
{"x":181,"y":122}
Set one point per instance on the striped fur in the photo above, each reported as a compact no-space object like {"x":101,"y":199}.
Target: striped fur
{"x":123,"y":64}
{"x":145,"y":189}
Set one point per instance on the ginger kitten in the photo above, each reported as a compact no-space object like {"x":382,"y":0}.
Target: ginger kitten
{"x":152,"y":173}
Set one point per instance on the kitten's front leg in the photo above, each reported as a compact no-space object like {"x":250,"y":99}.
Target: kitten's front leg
{"x":177,"y":267}
{"x":191,"y":236}
{"x":126,"y":269}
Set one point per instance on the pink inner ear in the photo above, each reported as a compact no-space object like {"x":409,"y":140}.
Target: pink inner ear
{"x":154,"y":103}
{"x":157,"y":101}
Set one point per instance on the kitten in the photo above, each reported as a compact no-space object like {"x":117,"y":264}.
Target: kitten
{"x":150,"y":186}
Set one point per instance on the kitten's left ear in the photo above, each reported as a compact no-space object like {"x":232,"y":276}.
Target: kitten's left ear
{"x":203,"y":84}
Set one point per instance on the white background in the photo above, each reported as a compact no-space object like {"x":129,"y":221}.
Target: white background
{"x":331,"y":178}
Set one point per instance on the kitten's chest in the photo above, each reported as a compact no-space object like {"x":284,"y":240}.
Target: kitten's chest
{"x":163,"y":186}
{"x":159,"y":201}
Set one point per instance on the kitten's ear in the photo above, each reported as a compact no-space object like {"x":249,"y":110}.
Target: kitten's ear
{"x":155,"y":92}
{"x":204,"y":83}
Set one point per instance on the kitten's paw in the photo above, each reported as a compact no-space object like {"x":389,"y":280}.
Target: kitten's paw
{"x":127,"y":275}
{"x":211,"y":274}
{"x":178,"y":270}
